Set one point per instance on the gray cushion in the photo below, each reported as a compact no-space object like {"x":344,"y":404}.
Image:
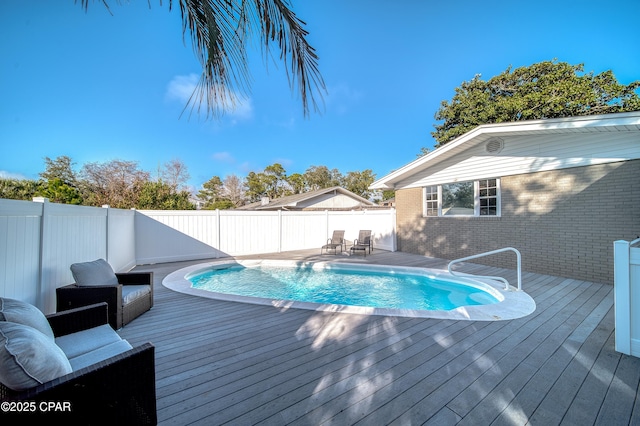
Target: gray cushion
{"x":85,"y":341}
{"x":99,"y":354}
{"x":133,"y":292}
{"x":28,"y":357}
{"x":97,"y":272}
{"x":21,"y":312}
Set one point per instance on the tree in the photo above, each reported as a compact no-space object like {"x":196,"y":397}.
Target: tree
{"x":423,"y":151}
{"x":388,"y":194}
{"x":320,"y":177}
{"x":60,"y":183}
{"x":162,"y":196}
{"x":175,"y":174}
{"x":297,"y":183}
{"x":117,"y":183}
{"x":211,"y":192}
{"x":20,"y":189}
{"x":256,"y":188}
{"x":359,"y":182}
{"x":275,"y":179}
{"x":58,"y":191}
{"x":234,"y":190}
{"x":220,"y":31}
{"x":62,"y":169}
{"x":548,"y":89}
{"x":272,"y":183}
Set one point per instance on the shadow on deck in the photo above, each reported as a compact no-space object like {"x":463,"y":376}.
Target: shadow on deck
{"x":224,"y":362}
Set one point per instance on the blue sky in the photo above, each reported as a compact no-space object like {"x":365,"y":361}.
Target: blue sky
{"x":98,"y":87}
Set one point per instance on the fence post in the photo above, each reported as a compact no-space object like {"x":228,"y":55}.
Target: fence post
{"x":106,"y":231}
{"x":394,"y":243}
{"x":218,"y":231}
{"x":622,"y":296}
{"x":279,"y":231}
{"x":326,"y":225}
{"x":44,"y":222}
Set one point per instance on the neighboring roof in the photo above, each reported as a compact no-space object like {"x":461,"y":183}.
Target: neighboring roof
{"x":607,"y":123}
{"x":295,"y":201}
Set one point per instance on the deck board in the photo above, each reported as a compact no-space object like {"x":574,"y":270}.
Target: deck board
{"x":220,"y":362}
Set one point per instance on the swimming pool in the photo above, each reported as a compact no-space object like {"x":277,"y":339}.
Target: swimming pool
{"x":318,"y":286}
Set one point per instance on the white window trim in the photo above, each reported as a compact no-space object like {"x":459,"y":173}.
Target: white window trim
{"x":476,"y":200}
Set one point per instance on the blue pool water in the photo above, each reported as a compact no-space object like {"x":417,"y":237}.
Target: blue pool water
{"x":376,"y":289}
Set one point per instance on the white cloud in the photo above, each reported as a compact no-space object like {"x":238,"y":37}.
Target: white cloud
{"x":223,"y":157}
{"x":341,"y":97}
{"x":181,"y":87}
{"x":10,"y":175}
{"x":284,"y":162}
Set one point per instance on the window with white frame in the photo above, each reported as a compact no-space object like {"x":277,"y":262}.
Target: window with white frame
{"x":431,"y":201}
{"x":470,"y":198}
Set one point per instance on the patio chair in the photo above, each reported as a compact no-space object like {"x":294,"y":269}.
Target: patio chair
{"x":128,"y":295}
{"x":337,"y":240}
{"x":362,"y":243}
{"x":110,"y":383}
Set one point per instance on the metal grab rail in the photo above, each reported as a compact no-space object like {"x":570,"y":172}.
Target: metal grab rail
{"x":518,"y":259}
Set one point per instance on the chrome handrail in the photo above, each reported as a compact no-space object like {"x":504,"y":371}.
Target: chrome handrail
{"x":475,"y":256}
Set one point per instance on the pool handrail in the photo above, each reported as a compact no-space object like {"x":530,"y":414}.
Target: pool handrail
{"x":501,"y":279}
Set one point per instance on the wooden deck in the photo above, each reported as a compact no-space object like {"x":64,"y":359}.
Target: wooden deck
{"x":231,"y":363}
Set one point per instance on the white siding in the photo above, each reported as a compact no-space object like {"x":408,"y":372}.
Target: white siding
{"x":329,"y":201}
{"x":527,"y":154}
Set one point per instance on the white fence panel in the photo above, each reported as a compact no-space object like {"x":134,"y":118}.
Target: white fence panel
{"x":40,"y":240}
{"x":20,"y":250}
{"x":627,"y":297}
{"x":168,"y":236}
{"x":70,"y":234}
{"x":243,"y":232}
{"x":303,"y":230}
{"x":121,"y":235}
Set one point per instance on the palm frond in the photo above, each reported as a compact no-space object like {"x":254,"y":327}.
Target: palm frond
{"x":220,"y":30}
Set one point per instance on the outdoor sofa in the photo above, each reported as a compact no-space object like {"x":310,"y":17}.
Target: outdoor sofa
{"x":72,"y":366}
{"x":128,"y":294}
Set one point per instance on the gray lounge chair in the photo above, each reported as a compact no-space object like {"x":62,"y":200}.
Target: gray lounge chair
{"x":337,"y":240}
{"x":363,"y":242}
{"x":128,"y":294}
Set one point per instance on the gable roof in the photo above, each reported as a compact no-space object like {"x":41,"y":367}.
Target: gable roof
{"x":606,"y":123}
{"x":294,"y":202}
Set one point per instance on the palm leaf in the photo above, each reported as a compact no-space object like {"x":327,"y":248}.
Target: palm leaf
{"x":219,"y":31}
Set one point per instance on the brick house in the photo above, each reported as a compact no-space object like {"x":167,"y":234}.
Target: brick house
{"x":561,"y":191}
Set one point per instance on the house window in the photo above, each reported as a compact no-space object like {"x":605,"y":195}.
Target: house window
{"x":431,"y":201}
{"x":457,"y":199}
{"x":488,"y":197}
{"x":471,"y":198}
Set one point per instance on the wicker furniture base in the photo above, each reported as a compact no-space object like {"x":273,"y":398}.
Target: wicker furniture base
{"x":118,"y":390}
{"x":73,"y":296}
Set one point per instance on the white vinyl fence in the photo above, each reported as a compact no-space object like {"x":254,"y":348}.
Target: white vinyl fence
{"x":166,"y":236}
{"x":40,"y":240}
{"x":627,"y":296}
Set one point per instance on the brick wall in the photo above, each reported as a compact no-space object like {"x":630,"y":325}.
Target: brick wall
{"x":563,"y":222}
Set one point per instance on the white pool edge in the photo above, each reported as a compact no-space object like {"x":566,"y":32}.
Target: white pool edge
{"x":515,"y":304}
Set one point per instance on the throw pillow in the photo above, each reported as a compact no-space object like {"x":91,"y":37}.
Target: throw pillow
{"x":24,"y":313}
{"x":29,"y":358}
{"x":97,"y":272}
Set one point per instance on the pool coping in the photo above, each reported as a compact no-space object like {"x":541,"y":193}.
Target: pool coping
{"x":515,"y":304}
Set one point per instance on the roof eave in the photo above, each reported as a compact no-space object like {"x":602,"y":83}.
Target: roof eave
{"x":485,"y":131}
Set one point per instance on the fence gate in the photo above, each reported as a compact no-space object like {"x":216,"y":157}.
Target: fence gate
{"x":627,"y":296}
